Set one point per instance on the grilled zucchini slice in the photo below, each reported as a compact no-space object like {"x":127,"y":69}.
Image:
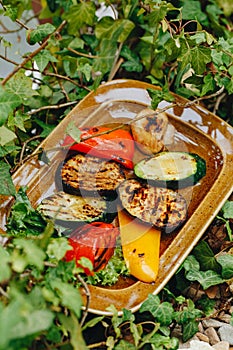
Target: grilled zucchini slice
{"x":68,"y":210}
{"x":164,"y":208}
{"x":172,"y":169}
{"x":89,"y":175}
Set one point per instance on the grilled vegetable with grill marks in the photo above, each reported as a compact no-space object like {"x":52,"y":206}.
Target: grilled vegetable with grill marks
{"x":95,"y":241}
{"x":161,"y":207}
{"x":69,"y":210}
{"x":91,"y":175}
{"x":172,"y":169}
{"x":117,"y":144}
{"x":152,"y":132}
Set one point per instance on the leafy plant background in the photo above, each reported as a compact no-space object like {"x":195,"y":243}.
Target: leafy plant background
{"x":184,"y":47}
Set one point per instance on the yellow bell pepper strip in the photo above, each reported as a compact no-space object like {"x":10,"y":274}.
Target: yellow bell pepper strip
{"x":140,"y":246}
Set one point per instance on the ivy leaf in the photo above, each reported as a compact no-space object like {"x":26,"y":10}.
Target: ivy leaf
{"x":200,"y":57}
{"x":132,"y":63}
{"x":6,"y":135}
{"x":69,"y":295}
{"x":43,"y":58}
{"x":192,"y":9}
{"x":73,"y":131}
{"x":7,"y":187}
{"x":8,"y":102}
{"x":58,"y":247}
{"x":189,"y":329}
{"x":163,"y":312}
{"x":123,"y":345}
{"x":79,"y":15}
{"x":72,"y":326}
{"x":227,"y":210}
{"x":21,"y":86}
{"x":106,"y":56}
{"x":27,"y":254}
{"x":226,"y":261}
{"x":11,"y":11}
{"x":5,"y":271}
{"x":47,"y":129}
{"x":17,"y":121}
{"x":112,"y":29}
{"x":205,"y":278}
{"x":205,"y":256}
{"x":41,"y":32}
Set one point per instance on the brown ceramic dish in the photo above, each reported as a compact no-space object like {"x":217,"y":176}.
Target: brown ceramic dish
{"x":197,"y":130}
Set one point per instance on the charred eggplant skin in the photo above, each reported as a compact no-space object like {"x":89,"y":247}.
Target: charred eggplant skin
{"x":164,"y":208}
{"x":88,"y":175}
{"x":172,"y":169}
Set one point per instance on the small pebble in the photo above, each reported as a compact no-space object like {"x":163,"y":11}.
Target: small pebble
{"x":222,"y":345}
{"x":211,"y":322}
{"x":212,"y":335}
{"x":226,"y":333}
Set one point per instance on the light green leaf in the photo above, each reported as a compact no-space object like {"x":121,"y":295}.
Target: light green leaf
{"x":6,"y":135}
{"x":21,"y":86}
{"x":5,"y":271}
{"x":117,"y":30}
{"x":72,"y":326}
{"x":226,"y":261}
{"x":58,"y":247}
{"x":79,"y":15}
{"x":8,"y":102}
{"x":106,"y":56}
{"x":69,"y":295}
{"x":41,"y":32}
{"x":18,"y":121}
{"x":7,"y":187}
{"x":205,"y":278}
{"x":73,"y":131}
{"x":27,"y":253}
{"x":43,"y":58}
{"x":200,"y":57}
{"x":227,"y":210}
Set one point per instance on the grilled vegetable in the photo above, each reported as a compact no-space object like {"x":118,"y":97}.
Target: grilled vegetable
{"x":140,"y":246}
{"x":117,"y":145}
{"x":152,"y":132}
{"x":173,"y":169}
{"x":161,"y":207}
{"x":91,"y":175}
{"x":69,"y":210}
{"x":96,"y":242}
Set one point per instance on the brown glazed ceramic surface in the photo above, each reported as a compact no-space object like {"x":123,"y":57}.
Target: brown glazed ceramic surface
{"x":196,"y":130}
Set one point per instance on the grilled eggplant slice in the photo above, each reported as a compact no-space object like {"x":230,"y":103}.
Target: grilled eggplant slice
{"x":89,"y":175}
{"x":68,"y":210}
{"x":172,"y":169}
{"x":164,"y":208}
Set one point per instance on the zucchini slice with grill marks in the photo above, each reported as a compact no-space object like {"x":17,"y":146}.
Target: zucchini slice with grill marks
{"x":162,"y":207}
{"x":68,"y":210}
{"x":89,"y":175}
{"x":172,"y":169}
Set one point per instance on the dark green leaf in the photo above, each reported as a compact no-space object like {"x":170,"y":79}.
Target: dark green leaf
{"x":8,"y":102}
{"x":117,"y":30}
{"x":132,"y":63}
{"x":7,"y":187}
{"x":200,"y":57}
{"x":205,"y":256}
{"x":43,"y":58}
{"x":189,"y":329}
{"x":40,"y":33}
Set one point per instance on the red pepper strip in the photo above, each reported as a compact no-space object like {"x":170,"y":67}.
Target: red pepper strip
{"x":95,"y":241}
{"x":117,"y":145}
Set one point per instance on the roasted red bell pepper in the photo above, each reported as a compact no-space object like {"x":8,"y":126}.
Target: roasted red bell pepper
{"x":117,"y":145}
{"x":95,"y":241}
